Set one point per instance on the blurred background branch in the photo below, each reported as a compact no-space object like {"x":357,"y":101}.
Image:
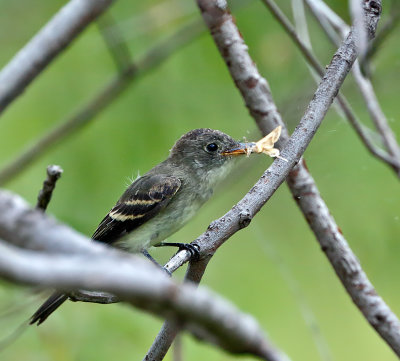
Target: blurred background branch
{"x":384,"y":32}
{"x":114,"y":41}
{"x":393,"y":157}
{"x":341,"y":100}
{"x":367,"y":91}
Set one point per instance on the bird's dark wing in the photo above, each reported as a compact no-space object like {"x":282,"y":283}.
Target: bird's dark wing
{"x":144,"y":198}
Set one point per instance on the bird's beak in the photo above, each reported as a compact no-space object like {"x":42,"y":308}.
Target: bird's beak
{"x":242,"y":148}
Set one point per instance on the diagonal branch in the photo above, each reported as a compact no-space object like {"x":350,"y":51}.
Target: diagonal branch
{"x":51,"y":40}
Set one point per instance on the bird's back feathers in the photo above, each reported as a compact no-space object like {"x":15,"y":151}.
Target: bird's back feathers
{"x":143,"y":200}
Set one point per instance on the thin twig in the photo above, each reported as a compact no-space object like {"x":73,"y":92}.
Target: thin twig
{"x":299,"y":18}
{"x":164,"y":339}
{"x":53,"y":174}
{"x":378,"y":117}
{"x":52,"y":39}
{"x":371,"y":102}
{"x":151,"y":59}
{"x":292,"y":32}
{"x":318,"y":8}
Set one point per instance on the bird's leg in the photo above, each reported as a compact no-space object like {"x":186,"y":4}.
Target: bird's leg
{"x":148,"y":256}
{"x":193,"y":249}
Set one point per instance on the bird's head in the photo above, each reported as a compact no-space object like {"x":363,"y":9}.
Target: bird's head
{"x":208,"y":152}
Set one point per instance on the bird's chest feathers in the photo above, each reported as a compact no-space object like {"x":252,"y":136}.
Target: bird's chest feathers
{"x":208,"y":180}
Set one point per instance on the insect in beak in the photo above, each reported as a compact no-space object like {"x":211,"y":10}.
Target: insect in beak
{"x":264,"y":145}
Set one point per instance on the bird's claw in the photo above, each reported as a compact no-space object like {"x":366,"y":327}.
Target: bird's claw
{"x":193,"y":249}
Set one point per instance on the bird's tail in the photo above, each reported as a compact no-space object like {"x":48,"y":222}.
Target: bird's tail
{"x":48,"y":307}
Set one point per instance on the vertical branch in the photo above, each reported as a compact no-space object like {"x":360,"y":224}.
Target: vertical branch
{"x":53,"y":174}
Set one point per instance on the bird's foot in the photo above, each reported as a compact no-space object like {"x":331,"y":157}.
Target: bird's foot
{"x":192,"y":248}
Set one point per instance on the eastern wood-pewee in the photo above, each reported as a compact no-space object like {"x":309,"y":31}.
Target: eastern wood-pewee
{"x":160,"y":202}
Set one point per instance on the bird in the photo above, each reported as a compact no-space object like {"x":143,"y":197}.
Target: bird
{"x":163,"y":200}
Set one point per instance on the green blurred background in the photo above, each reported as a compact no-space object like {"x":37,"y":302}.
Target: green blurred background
{"x":273,"y":269}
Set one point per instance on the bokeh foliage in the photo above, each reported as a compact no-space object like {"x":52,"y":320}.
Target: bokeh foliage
{"x":271,"y":269}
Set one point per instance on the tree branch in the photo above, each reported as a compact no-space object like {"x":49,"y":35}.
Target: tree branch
{"x":198,"y":310}
{"x":52,"y":39}
{"x":69,"y":261}
{"x":378,"y":117}
{"x":323,"y":12}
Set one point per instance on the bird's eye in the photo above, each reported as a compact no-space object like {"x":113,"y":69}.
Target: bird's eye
{"x":212,"y":147}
